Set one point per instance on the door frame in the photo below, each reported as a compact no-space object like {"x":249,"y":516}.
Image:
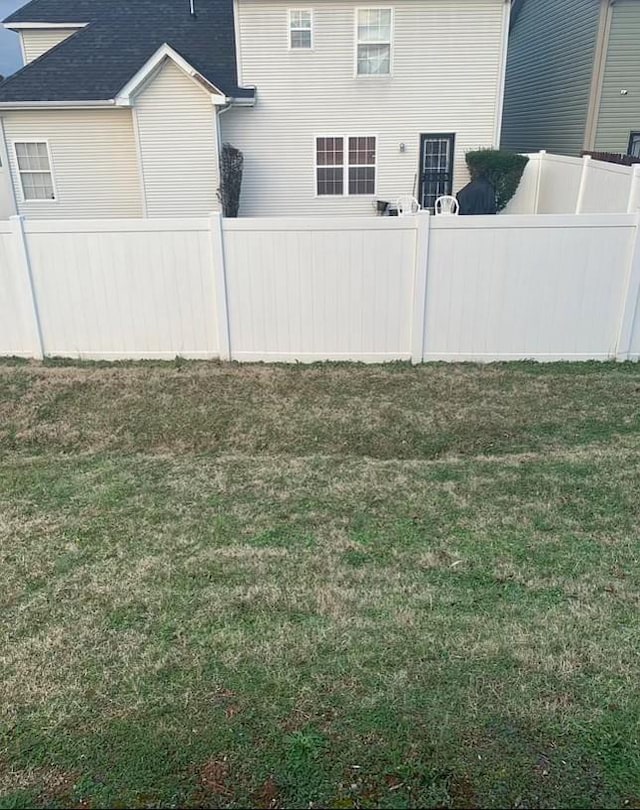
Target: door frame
{"x":431,"y":136}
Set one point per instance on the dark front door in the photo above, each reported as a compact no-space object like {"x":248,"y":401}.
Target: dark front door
{"x":436,"y":168}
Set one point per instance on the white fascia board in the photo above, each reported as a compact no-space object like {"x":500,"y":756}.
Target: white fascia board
{"x":165,"y":51}
{"x":36,"y":26}
{"x":60,"y":105}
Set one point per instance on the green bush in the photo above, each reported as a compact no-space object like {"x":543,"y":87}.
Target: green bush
{"x":501,"y":168}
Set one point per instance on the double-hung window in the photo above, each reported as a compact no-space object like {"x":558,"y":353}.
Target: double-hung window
{"x":34,"y":167}
{"x":373,"y":41}
{"x":300,"y":29}
{"x":634,"y":145}
{"x":346,"y":165}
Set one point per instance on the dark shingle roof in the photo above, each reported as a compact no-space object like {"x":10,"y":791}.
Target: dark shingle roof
{"x":97,"y":61}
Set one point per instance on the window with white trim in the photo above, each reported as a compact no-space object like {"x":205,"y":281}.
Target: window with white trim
{"x":34,"y":168}
{"x":300,"y":29}
{"x":346,"y":165}
{"x":373,"y":41}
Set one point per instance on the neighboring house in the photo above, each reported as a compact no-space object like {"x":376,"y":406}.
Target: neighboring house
{"x":573,"y":77}
{"x":122,"y":107}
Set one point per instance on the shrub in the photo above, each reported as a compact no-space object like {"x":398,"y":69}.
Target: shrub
{"x":501,"y":168}
{"x":231,"y":164}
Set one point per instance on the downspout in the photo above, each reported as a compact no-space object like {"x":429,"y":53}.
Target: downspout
{"x":502,"y":73}
{"x":218,"y":111}
{"x":4,"y":160}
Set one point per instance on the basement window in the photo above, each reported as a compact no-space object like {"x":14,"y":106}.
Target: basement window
{"x":34,"y":167}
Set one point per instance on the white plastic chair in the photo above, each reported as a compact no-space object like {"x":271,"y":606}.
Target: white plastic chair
{"x":446,"y":206}
{"x":407,"y":206}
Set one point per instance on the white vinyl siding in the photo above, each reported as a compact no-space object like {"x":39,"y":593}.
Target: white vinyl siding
{"x":37,"y":42}
{"x":93,"y":160}
{"x":178,"y":145}
{"x":446,"y":69}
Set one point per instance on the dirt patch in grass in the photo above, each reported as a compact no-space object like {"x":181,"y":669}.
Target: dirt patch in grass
{"x":392,"y":411}
{"x":319,"y":587}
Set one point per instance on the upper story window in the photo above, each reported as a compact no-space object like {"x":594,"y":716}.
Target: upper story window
{"x":300,"y":29}
{"x":634,"y":145}
{"x":34,"y":167}
{"x":373,"y":38}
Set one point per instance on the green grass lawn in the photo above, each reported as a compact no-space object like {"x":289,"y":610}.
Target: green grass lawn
{"x":328,"y":586}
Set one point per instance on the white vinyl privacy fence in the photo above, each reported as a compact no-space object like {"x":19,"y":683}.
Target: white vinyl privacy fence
{"x":369,"y":289}
{"x":557,"y":184}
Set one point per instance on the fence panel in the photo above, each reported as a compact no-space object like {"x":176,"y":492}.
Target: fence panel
{"x":125,"y":289}
{"x":607,"y":188}
{"x":559,"y":185}
{"x":17,"y":324}
{"x":449,"y":288}
{"x":320,"y":289}
{"x":507,"y":288}
{"x":525,"y":199}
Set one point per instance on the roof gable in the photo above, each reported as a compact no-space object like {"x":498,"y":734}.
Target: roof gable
{"x":98,"y":61}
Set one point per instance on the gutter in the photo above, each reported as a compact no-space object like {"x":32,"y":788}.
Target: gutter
{"x":60,"y":105}
{"x":93,"y":105}
{"x":41,"y":26}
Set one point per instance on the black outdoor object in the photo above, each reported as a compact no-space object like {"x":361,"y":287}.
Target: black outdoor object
{"x":477,"y":197}
{"x":231,"y":165}
{"x":503,"y":169}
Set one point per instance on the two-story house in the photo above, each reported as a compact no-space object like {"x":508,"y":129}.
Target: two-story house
{"x":573,"y":77}
{"x":121,"y":109}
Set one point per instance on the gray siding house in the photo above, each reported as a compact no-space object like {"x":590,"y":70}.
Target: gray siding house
{"x":573,"y":77}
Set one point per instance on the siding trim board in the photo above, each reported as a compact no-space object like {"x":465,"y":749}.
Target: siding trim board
{"x":599,"y":62}
{"x":504,"y":47}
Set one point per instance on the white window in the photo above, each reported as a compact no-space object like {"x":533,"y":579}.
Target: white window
{"x":34,"y":167}
{"x":346,"y":165}
{"x":300,"y":29}
{"x":373,"y":38}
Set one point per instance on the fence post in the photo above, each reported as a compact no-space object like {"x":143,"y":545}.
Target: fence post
{"x":22,"y":252}
{"x":423,"y":228}
{"x":582,"y":188}
{"x":630,"y":302}
{"x":220,"y":281}
{"x":634,"y":202}
{"x":541,"y":156}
